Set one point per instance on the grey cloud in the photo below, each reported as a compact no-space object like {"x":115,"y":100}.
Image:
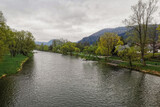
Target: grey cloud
{"x":68,"y":19}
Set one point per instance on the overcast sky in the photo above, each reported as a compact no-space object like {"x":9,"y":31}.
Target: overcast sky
{"x":68,"y":19}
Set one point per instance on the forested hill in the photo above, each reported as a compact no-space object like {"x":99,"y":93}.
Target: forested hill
{"x":121,"y":31}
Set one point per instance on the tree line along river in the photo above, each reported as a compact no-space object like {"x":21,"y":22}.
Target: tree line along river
{"x":55,"y":80}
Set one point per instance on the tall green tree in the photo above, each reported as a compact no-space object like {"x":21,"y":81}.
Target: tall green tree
{"x":3,"y":38}
{"x":140,"y":20}
{"x":159,"y":33}
{"x":158,"y":28}
{"x":69,"y":48}
{"x":90,"y":49}
{"x":15,"y":42}
{"x":4,"y":35}
{"x":45,"y":48}
{"x":56,"y":44}
{"x":153,"y":37}
{"x":22,"y":43}
{"x":127,"y":53}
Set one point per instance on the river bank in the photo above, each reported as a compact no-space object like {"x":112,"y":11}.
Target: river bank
{"x":147,"y":71}
{"x":11,"y":65}
{"x":151,"y":67}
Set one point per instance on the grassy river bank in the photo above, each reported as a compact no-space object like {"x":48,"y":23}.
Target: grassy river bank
{"x":11,"y":65}
{"x":152,"y":66}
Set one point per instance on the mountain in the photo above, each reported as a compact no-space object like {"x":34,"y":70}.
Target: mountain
{"x":53,"y":41}
{"x":121,"y":31}
{"x":45,"y":43}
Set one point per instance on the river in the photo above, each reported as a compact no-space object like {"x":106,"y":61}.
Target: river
{"x":55,"y":80}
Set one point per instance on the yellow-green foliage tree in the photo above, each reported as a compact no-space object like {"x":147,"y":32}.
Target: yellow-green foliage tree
{"x":3,"y":38}
{"x":6,"y":35}
{"x":2,"y":45}
{"x":107,"y":42}
{"x":139,"y":22}
{"x":158,"y":28}
{"x":90,"y":49}
{"x":153,"y":37}
{"x":69,"y":47}
{"x":77,"y":50}
{"x":13,"y":41}
{"x":159,"y":32}
{"x":22,"y":43}
{"x":127,"y":53}
{"x":42,"y":47}
{"x":45,"y":48}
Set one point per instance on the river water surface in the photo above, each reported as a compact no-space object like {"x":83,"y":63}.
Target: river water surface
{"x":54,"y":80}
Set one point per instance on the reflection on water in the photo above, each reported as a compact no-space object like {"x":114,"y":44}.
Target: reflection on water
{"x":56,"y":80}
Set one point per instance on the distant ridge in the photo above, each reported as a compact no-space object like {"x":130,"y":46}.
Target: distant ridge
{"x":45,"y":43}
{"x":121,"y":31}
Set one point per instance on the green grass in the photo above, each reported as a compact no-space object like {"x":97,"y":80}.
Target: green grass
{"x":150,"y":55}
{"x":149,"y":62}
{"x":153,"y":63}
{"x":139,"y":66}
{"x":10,"y":65}
{"x":115,"y":58}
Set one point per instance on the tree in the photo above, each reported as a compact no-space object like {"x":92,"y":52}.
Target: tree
{"x":4,"y":35}
{"x":153,"y":37}
{"x":22,"y":43}
{"x":106,"y":43}
{"x":80,"y":46}
{"x":3,"y":38}
{"x":2,"y":43}
{"x":13,"y":45}
{"x":77,"y":50}
{"x":13,"y":41}
{"x":140,"y":20}
{"x":45,"y":48}
{"x":158,"y":28}
{"x":29,"y":43}
{"x":56,"y":49}
{"x":90,"y":49}
{"x":127,"y":53}
{"x":42,"y":47}
{"x":159,"y":33}
{"x":50,"y":48}
{"x":64,"y":49}
{"x":68,"y":47}
{"x":2,"y":18}
{"x":56,"y":44}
